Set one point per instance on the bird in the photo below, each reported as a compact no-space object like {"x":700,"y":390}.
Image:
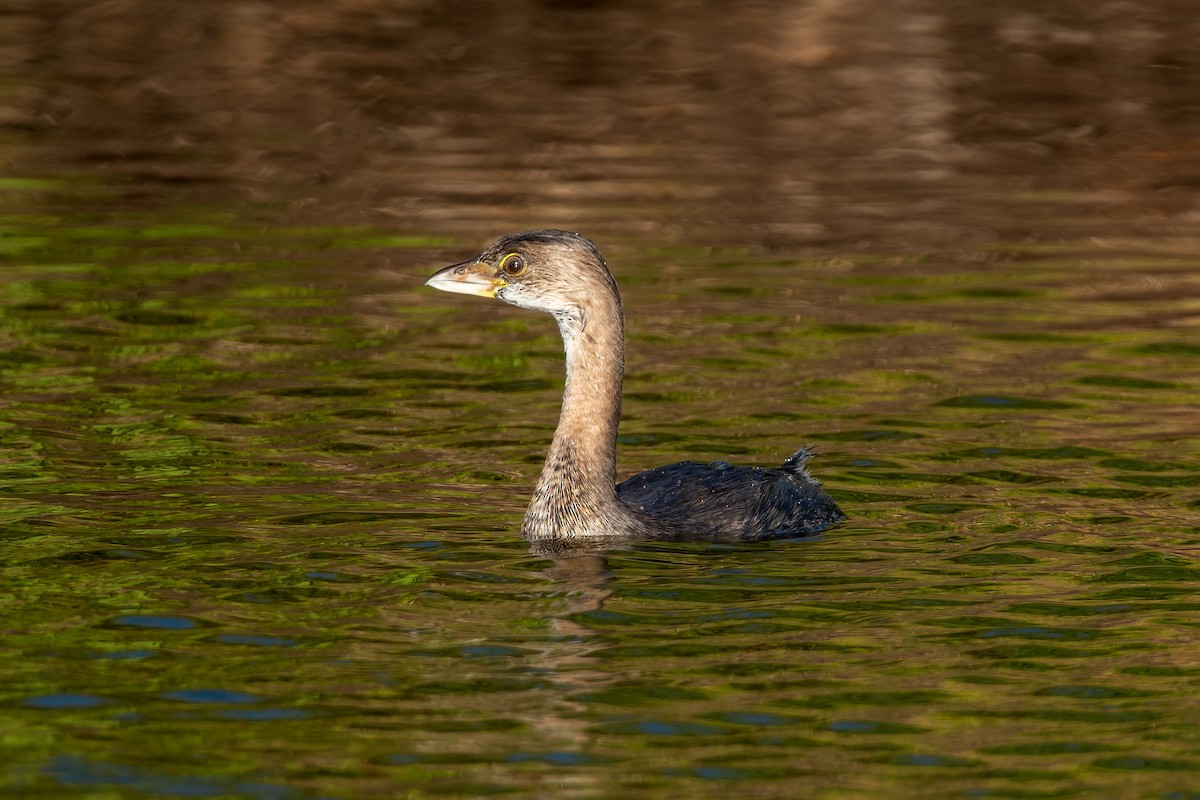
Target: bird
{"x":577,"y":497}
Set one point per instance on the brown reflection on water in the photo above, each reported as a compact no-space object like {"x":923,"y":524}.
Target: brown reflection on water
{"x":783,"y":124}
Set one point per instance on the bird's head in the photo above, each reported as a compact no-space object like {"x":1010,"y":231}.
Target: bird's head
{"x":550,"y":270}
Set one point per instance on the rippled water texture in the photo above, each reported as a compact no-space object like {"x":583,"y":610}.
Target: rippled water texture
{"x":261,"y":489}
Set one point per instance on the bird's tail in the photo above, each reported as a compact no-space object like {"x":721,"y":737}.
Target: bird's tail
{"x":797,"y":461}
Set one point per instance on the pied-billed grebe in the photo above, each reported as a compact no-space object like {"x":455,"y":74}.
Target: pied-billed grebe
{"x":564,"y":274}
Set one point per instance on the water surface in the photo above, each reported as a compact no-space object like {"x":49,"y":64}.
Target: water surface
{"x":262,"y":490}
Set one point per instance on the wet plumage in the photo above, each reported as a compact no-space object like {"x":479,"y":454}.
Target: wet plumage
{"x":728,"y":502}
{"x":576,"y":497}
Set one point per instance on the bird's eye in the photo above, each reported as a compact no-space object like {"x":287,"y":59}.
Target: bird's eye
{"x":512,"y":265}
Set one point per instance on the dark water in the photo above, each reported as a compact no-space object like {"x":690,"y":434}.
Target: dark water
{"x":261,"y":490}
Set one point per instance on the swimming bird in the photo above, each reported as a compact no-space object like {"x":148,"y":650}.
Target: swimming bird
{"x":577,"y":497}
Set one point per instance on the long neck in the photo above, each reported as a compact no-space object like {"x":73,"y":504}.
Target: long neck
{"x":575,"y":495}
